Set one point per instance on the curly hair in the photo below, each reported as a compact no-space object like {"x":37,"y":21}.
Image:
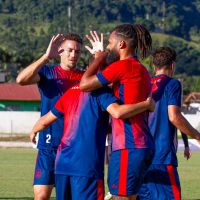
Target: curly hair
{"x":163,"y":56}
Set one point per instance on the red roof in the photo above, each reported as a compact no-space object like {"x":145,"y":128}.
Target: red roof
{"x":13,"y":91}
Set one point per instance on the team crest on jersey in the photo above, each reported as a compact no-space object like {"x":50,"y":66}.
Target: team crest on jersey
{"x":38,"y":173}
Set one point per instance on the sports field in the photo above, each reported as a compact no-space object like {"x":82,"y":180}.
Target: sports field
{"x":16,"y":172}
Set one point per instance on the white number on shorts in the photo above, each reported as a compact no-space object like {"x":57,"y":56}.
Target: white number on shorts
{"x":48,"y":138}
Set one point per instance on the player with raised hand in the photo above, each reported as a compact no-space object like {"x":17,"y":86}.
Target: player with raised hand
{"x":132,"y":145}
{"x":52,"y":83}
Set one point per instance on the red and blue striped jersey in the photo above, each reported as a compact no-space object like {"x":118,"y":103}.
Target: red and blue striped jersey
{"x":54,"y":81}
{"x":81,"y":151}
{"x":166,"y":91}
{"x":131,"y":84}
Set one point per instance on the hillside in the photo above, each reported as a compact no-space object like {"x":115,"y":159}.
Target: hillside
{"x":26,"y":27}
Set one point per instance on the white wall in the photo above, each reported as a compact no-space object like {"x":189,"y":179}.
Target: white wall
{"x":194,"y":120}
{"x":22,"y":122}
{"x":17,"y":122}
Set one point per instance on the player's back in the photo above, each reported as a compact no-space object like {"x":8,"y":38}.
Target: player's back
{"x":82,"y":147}
{"x":165,"y":91}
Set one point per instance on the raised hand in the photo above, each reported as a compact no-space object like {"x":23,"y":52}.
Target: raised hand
{"x":33,"y":137}
{"x":187,"y":153}
{"x":97,"y":44}
{"x":54,"y":49}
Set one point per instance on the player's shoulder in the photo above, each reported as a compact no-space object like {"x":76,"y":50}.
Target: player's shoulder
{"x":120,"y":65}
{"x":48,"y":69}
{"x":130,"y":62}
{"x":174,"y":82}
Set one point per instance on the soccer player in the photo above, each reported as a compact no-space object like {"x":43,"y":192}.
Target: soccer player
{"x":52,"y":83}
{"x":162,"y":181}
{"x":80,"y":158}
{"x":132,"y":145}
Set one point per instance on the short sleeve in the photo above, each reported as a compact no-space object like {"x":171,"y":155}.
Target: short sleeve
{"x":174,"y":93}
{"x":58,"y":109}
{"x":105,"y":97}
{"x":111,"y":74}
{"x":42,"y":72}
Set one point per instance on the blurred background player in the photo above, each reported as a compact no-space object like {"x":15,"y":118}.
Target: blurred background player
{"x":162,"y":180}
{"x":52,"y":83}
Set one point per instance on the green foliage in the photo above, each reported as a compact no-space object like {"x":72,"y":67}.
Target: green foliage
{"x":189,"y":83}
{"x":27,"y":26}
{"x":195,"y":34}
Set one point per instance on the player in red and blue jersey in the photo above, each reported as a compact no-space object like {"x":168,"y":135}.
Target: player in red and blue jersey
{"x":162,"y":181}
{"x":132,"y":143}
{"x":52,"y":83}
{"x":80,"y":158}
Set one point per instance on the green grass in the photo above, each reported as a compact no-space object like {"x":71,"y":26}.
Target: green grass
{"x":17,"y":165}
{"x":16,"y":173}
{"x":189,"y":173}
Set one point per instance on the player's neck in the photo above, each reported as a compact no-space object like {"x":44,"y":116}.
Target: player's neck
{"x":126,"y":54}
{"x":66,"y":68}
{"x":163,"y":71}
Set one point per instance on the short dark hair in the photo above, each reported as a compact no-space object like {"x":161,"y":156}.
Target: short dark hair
{"x":163,"y":56}
{"x":137,"y":36}
{"x":74,"y":37}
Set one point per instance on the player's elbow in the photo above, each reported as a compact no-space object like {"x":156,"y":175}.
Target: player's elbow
{"x":174,"y":119}
{"x":175,"y":116}
{"x":84,"y":86}
{"x":20,"y":81}
{"x":116,"y":114}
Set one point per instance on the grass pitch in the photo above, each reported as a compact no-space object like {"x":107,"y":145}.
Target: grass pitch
{"x":17,"y":165}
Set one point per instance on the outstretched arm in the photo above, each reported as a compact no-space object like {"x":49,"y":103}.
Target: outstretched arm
{"x":129,"y":110}
{"x":42,"y":124}
{"x":30,"y":74}
{"x":179,"y":121}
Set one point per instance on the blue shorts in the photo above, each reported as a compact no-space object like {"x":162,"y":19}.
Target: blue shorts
{"x":161,"y":182}
{"x":76,"y":188}
{"x":44,"y":167}
{"x":126,"y":170}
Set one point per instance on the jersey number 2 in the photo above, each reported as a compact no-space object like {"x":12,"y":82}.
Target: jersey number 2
{"x":48,"y":138}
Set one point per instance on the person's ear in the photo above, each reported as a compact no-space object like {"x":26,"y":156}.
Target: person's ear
{"x":60,"y":50}
{"x":172,"y":68}
{"x":122,"y":44}
{"x":154,"y":68}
